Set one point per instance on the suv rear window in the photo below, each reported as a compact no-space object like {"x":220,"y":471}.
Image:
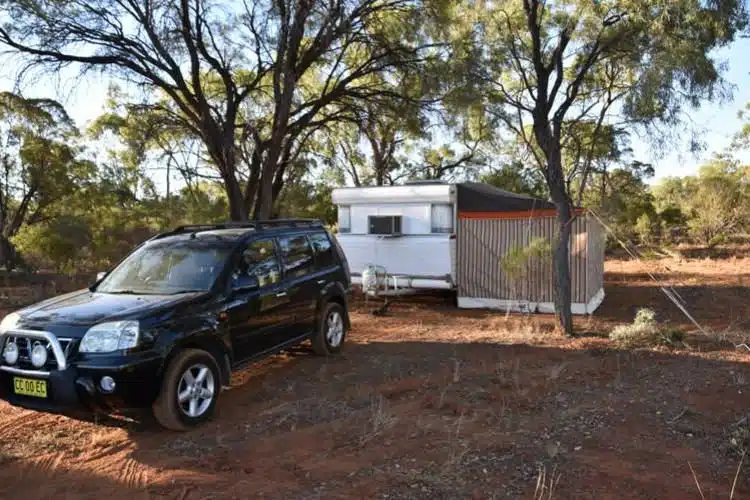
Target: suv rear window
{"x":297,"y":255}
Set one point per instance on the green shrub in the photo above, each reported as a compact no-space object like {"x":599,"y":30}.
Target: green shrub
{"x":644,"y":228}
{"x":645,"y":331}
{"x":58,"y":245}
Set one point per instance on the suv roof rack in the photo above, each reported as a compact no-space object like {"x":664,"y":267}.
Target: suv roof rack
{"x":258,"y":225}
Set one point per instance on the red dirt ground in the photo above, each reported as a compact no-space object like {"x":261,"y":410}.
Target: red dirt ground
{"x":435,"y":403}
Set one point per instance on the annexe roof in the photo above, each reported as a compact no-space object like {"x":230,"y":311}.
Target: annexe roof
{"x":475,"y":197}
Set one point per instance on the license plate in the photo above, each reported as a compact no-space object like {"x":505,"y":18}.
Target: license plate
{"x":30,"y":387}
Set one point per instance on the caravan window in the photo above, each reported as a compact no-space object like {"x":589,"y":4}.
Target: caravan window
{"x":345,"y":219}
{"x":442,"y":218}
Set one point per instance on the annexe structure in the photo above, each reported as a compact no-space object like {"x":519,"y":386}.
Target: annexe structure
{"x":433,"y":235}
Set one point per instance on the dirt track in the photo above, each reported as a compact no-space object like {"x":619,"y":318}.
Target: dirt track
{"x":431,"y":402}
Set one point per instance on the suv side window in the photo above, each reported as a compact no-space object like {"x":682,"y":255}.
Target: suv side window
{"x":323,"y":250}
{"x":297,"y":255}
{"x":259,"y":261}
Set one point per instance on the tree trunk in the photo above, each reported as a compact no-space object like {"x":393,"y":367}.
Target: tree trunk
{"x":9,"y":256}
{"x":264,"y":204}
{"x":561,"y":258}
{"x":560,"y":197}
{"x":561,"y":261}
{"x":237,"y":206}
{"x":251,"y":188}
{"x":278,"y":183}
{"x":549,"y":141}
{"x":224,"y":156}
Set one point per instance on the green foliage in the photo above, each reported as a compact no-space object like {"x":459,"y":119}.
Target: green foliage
{"x":41,"y":165}
{"x":94,"y":231}
{"x":57,"y":245}
{"x":713,"y":205}
{"x":308,"y":201}
{"x":581,"y":66}
{"x":517,"y":258}
{"x":374,"y":93}
{"x":645,"y":331}
{"x":516,"y":263}
{"x":622,"y":198}
{"x":644,"y":228}
{"x":517,"y":178}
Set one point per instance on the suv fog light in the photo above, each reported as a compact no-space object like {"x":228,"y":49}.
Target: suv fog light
{"x":107,"y":384}
{"x":11,"y":353}
{"x":39,"y":356}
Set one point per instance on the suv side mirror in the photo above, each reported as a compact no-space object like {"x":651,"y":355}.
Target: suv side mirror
{"x":245,"y":283}
{"x":100,"y":275}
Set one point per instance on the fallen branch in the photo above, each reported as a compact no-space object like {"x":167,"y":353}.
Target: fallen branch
{"x":679,"y":416}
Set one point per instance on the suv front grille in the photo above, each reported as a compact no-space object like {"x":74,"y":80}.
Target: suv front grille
{"x":58,"y":350}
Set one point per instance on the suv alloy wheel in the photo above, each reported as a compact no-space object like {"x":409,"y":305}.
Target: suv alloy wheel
{"x":189,"y":390}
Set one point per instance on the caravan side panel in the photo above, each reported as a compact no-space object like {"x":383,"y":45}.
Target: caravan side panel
{"x":419,"y":254}
{"x":425,"y":257}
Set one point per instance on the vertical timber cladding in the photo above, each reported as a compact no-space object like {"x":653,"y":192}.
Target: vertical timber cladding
{"x":482,"y":243}
{"x":596,"y":244}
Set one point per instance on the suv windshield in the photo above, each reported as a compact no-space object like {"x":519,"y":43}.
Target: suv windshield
{"x":167,"y":269}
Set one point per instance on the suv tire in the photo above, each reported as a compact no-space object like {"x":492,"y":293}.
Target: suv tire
{"x":331,"y":331}
{"x":189,"y":390}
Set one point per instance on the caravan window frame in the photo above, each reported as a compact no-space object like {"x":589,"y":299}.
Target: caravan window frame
{"x":436,"y":230}
{"x":348,"y":228}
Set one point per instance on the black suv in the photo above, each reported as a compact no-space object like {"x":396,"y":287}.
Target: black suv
{"x":166,"y":327}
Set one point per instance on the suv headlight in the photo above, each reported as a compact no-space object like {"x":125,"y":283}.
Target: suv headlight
{"x":110,"y":337}
{"x":9,"y":322}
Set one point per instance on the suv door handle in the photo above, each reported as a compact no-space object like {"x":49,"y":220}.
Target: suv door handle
{"x":281,"y":294}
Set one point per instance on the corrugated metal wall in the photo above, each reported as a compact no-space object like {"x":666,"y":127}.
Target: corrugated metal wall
{"x":483,"y":242}
{"x":596,"y":244}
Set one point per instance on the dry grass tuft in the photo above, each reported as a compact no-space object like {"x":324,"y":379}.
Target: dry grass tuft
{"x":734,"y":482}
{"x":545,"y":484}
{"x":381,"y":419}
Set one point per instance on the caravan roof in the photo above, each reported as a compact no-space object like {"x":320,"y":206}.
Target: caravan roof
{"x":470,"y":197}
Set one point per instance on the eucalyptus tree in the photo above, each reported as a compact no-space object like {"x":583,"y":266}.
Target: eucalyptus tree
{"x":40,"y":165}
{"x":249,"y":79}
{"x":544,"y":67}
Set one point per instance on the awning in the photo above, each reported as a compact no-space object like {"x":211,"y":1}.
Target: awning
{"x":476,"y":200}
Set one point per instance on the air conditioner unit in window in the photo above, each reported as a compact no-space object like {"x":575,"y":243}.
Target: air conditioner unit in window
{"x":385,"y":225}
